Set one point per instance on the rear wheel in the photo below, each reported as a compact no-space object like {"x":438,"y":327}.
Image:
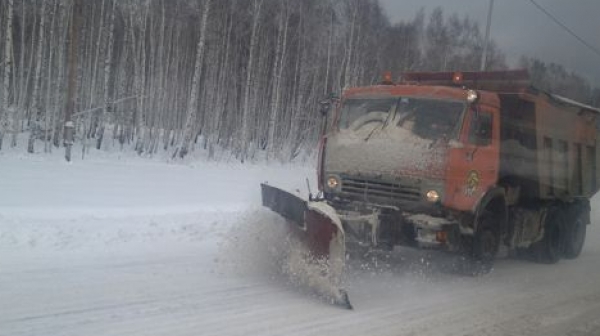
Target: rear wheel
{"x":574,"y":238}
{"x":548,"y":250}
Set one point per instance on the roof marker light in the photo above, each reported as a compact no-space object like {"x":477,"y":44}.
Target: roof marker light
{"x":457,"y":78}
{"x":387,"y":78}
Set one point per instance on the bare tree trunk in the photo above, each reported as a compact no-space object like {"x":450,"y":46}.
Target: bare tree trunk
{"x":140,"y":79}
{"x":5,"y":103}
{"x":122,"y":85}
{"x":276,"y":77}
{"x":25,"y":100}
{"x":218,"y":122}
{"x":171,"y":77}
{"x":151,"y":86}
{"x":326,"y":88}
{"x":37,"y":81}
{"x":350,"y":48}
{"x":162,"y":68}
{"x":193,"y":100}
{"x":49,"y":82}
{"x":107,"y":73}
{"x":246,"y":117}
{"x":71,"y":89}
{"x":59,"y":102}
{"x":94,"y":69}
{"x":20,"y":99}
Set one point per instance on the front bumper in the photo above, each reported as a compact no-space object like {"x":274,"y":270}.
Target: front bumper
{"x":385,"y":227}
{"x":435,"y":232}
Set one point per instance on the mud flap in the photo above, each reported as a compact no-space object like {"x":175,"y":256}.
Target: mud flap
{"x":316,"y":226}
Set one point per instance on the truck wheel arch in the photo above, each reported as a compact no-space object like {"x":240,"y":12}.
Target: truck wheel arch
{"x":493,"y":201}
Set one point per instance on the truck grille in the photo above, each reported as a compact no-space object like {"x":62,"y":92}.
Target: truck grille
{"x":376,"y":190}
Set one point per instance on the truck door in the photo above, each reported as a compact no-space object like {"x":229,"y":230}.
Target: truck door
{"x":473,"y":165}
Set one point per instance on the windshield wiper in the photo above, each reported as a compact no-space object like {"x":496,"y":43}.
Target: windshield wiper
{"x":378,"y":128}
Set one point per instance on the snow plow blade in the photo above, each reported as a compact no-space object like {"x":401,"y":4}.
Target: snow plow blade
{"x":316,"y":226}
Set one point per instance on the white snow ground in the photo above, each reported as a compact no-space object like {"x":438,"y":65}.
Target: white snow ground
{"x":135,"y":247}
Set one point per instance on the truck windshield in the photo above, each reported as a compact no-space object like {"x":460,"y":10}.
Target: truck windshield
{"x":430,"y":119}
{"x":358,"y":113}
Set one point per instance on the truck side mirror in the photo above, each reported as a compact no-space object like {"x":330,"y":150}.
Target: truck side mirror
{"x":327,"y":103}
{"x":325,"y":106}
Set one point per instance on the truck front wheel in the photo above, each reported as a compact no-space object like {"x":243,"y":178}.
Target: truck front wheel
{"x":486,"y":241}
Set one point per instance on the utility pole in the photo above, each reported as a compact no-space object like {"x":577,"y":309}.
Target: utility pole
{"x":72,"y":85}
{"x":487,"y":37}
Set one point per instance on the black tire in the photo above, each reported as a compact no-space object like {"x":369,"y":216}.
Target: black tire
{"x":481,"y":248}
{"x":549,"y":249}
{"x":486,"y":241}
{"x":574,"y":237}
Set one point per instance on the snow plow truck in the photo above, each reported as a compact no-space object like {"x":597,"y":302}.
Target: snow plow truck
{"x":463,"y":162}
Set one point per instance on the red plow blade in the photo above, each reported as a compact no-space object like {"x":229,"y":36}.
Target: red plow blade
{"x":319,"y":231}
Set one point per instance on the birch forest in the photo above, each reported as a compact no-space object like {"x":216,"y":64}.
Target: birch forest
{"x":242,"y":77}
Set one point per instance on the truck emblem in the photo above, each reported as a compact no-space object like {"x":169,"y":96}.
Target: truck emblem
{"x":472,"y":183}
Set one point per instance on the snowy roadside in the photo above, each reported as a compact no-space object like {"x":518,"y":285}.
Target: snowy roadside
{"x":100,"y":206}
{"x":136,"y":247}
{"x":52,"y":188}
{"x":73,"y":237}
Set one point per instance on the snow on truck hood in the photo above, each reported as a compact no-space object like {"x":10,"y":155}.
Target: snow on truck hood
{"x":387,"y":151}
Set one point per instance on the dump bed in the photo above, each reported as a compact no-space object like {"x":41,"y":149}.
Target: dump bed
{"x":549,"y":145}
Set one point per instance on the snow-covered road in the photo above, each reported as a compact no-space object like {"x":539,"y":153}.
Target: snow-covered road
{"x":140,"y":248}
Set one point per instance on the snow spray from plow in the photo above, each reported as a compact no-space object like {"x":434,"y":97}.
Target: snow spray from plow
{"x":320,"y":248}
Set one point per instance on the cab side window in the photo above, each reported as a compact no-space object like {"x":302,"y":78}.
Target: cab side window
{"x":480,"y":132}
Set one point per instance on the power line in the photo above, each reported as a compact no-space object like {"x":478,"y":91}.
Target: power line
{"x":558,"y":22}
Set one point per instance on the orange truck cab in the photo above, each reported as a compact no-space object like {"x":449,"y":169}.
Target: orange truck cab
{"x":461,"y":162}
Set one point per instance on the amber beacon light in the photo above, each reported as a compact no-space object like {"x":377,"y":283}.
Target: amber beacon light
{"x":387,"y":78}
{"x":457,"y":78}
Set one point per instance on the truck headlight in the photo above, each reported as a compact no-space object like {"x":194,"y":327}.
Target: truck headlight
{"x":332,"y":182}
{"x":432,"y":196}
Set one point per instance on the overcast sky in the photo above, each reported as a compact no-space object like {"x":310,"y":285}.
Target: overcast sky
{"x":519,"y":28}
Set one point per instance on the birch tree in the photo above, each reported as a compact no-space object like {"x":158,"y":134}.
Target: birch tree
{"x":246,"y":107}
{"x":139,"y":15}
{"x":193,"y":101}
{"x":107,"y":74}
{"x":68,"y":125}
{"x":34,"y":126}
{"x":50,"y":80}
{"x":7,"y":65}
{"x":221,"y":100}
{"x":353,"y":8}
{"x":59,"y":102}
{"x":280,"y":54}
